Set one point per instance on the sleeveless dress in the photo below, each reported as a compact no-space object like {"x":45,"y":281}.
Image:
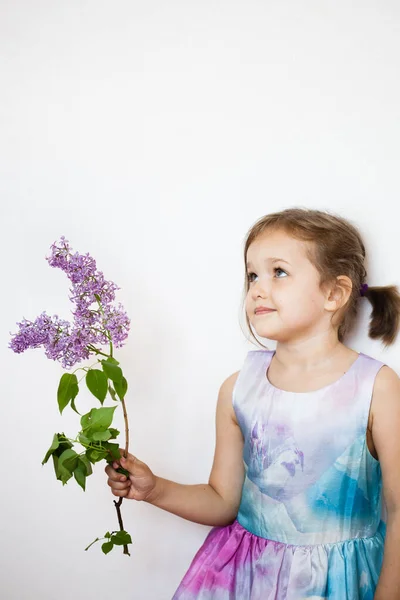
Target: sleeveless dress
{"x":311,"y":521}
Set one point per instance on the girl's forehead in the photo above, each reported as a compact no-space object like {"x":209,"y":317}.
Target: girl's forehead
{"x":277,"y":244}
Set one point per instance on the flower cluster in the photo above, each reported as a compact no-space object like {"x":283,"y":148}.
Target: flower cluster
{"x":92,"y":326}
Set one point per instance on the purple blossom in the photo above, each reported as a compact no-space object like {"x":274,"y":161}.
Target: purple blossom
{"x":96,"y":321}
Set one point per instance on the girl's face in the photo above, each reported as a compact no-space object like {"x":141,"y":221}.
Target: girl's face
{"x":282,"y":278}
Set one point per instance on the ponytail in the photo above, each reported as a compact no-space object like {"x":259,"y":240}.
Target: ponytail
{"x":385,"y":316}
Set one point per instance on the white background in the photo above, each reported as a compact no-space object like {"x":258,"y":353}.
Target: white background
{"x":153,"y":135}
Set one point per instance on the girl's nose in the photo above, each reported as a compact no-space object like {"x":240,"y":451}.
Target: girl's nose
{"x":260,"y":288}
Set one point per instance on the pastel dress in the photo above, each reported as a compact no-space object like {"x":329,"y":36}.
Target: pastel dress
{"x":311,"y":522}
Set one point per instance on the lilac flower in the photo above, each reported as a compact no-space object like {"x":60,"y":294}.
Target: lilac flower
{"x":93,"y":326}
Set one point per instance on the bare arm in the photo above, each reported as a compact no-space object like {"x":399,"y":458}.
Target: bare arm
{"x":212,"y":503}
{"x":217,"y":502}
{"x":385,"y":433}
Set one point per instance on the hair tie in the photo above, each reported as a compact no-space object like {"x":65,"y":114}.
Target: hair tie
{"x":363,"y":289}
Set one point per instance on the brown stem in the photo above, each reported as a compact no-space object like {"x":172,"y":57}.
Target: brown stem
{"x":121,"y":525}
{"x":126,"y":449}
{"x":126,"y":429}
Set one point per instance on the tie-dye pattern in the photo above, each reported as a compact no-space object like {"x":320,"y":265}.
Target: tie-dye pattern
{"x":311,"y":520}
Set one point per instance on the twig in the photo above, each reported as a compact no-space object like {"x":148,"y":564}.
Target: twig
{"x":121,"y":525}
{"x":118,"y":504}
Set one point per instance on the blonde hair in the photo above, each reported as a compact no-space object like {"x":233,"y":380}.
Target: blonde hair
{"x":336,"y":249}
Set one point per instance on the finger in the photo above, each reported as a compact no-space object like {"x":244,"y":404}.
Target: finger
{"x":112,"y":474}
{"x":120,"y":493}
{"x":119,"y":485}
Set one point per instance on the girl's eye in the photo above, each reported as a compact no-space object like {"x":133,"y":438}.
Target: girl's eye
{"x":281,"y":270}
{"x":277,"y":271}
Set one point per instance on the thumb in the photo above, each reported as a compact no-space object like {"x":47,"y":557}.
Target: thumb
{"x":129,"y":463}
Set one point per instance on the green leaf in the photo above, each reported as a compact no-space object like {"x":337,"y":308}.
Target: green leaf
{"x":70,"y":463}
{"x":112,"y":371}
{"x":83,"y":459}
{"x":55,"y":463}
{"x":67,"y":462}
{"x":63,"y":445}
{"x":121,"y":538}
{"x":112,"y":393}
{"x":74,"y":407}
{"x":107,"y":535}
{"x":53,"y":447}
{"x":85,"y":420}
{"x":102,"y":436}
{"x":96,"y":381}
{"x":98,"y":419}
{"x":80,"y":474}
{"x":57,"y":447}
{"x":61,"y":466}
{"x":96,"y":455}
{"x":121,"y":387}
{"x":112,"y":360}
{"x":114,"y":433}
{"x":82,"y":470}
{"x":67,"y":454}
{"x":67,"y":390}
{"x":107,"y":547}
{"x":113,"y":450}
{"x":84,"y":440}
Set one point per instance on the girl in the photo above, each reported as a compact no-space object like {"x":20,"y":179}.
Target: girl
{"x":306,"y":435}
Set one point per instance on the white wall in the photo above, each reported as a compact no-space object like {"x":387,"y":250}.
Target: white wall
{"x":153,"y":135}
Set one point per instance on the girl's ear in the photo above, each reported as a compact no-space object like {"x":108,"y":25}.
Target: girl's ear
{"x":338,"y":293}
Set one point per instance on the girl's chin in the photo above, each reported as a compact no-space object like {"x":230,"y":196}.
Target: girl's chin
{"x":270,"y":333}
{"x":267,"y":334}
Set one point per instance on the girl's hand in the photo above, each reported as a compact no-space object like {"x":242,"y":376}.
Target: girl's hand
{"x":140,"y":484}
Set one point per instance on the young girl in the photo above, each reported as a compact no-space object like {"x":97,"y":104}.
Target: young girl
{"x":307,"y":434}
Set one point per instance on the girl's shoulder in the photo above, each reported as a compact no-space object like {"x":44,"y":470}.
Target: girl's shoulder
{"x":225,"y":395}
{"x":386,"y":381}
{"x":385,"y":375}
{"x":385,"y":394}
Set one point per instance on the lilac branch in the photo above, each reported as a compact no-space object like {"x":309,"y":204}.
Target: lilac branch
{"x":70,"y":342}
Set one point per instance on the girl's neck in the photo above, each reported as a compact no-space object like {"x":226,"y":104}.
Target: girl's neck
{"x":312,"y":354}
